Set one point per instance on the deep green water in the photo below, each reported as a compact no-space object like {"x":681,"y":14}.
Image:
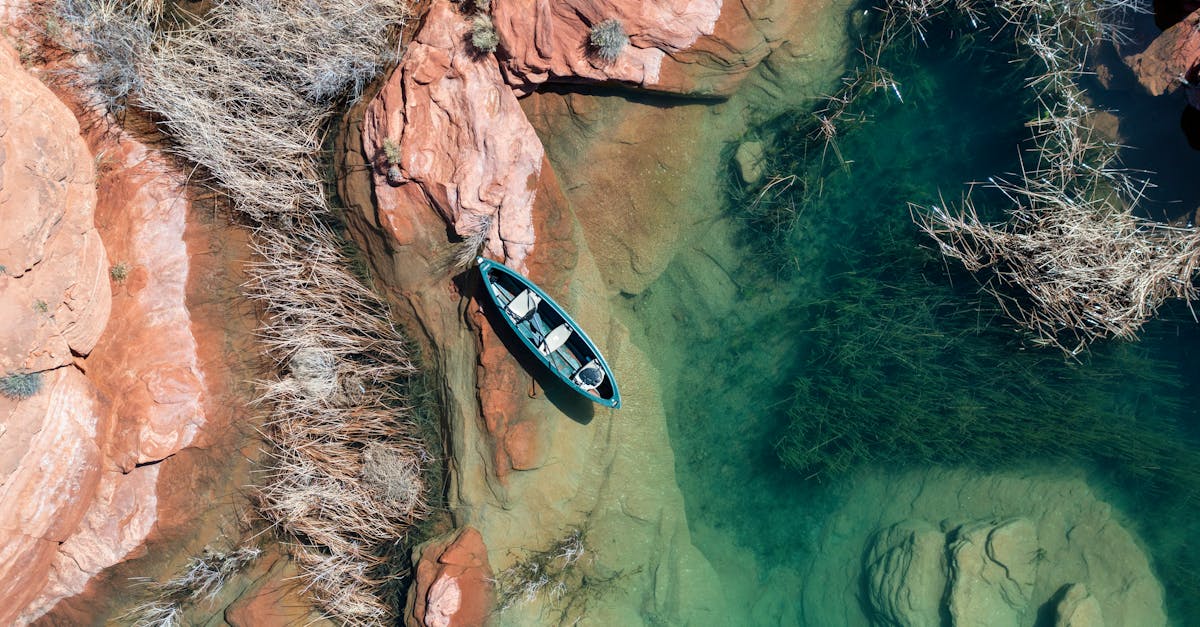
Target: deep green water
{"x":839,"y":344}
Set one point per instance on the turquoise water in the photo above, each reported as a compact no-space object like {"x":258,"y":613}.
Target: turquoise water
{"x":845,"y":346}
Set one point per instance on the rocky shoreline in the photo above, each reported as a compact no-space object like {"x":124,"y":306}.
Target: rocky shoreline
{"x":125,"y":296}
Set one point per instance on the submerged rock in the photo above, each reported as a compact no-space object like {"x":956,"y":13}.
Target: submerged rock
{"x":1012,"y":541}
{"x":1172,"y":61}
{"x":751,"y":160}
{"x":1077,"y":608}
{"x":906,"y":574}
{"x":993,"y":571}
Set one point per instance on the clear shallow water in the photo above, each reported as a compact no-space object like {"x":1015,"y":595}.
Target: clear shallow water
{"x":845,"y":319}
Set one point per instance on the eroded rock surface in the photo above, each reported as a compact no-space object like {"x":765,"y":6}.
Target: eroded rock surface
{"x":528,"y":461}
{"x":453,"y":583}
{"x":906,"y":574}
{"x":686,"y":47}
{"x":1078,"y":608}
{"x":994,"y":569}
{"x":464,"y":144}
{"x":126,"y":369}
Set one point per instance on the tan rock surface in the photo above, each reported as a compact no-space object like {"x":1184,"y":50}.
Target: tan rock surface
{"x":530,"y":462}
{"x":1078,"y":608}
{"x":994,"y":570}
{"x":523,"y":470}
{"x":1015,"y":541}
{"x":906,"y":574}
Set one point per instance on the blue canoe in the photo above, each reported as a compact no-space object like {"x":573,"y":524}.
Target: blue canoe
{"x":549,"y":333}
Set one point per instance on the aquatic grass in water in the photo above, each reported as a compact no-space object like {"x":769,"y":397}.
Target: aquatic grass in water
{"x":905,"y":371}
{"x":852,"y":349}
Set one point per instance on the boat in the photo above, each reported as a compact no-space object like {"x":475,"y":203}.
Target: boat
{"x":549,"y":333}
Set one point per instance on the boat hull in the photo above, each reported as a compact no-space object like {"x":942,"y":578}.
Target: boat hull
{"x":576,"y":361}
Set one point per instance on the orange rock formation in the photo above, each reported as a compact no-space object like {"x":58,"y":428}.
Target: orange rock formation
{"x":132,"y":376}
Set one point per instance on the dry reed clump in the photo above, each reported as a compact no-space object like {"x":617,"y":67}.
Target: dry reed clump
{"x":553,"y":572}
{"x":339,"y":424}
{"x":246,"y":91}
{"x":562,"y":578}
{"x":201,"y":580}
{"x":1072,"y":264}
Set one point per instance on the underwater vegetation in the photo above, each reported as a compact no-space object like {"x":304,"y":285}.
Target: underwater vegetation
{"x":904,"y":360}
{"x":906,"y":371}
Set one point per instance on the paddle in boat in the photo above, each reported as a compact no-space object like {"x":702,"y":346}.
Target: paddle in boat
{"x":549,"y":333}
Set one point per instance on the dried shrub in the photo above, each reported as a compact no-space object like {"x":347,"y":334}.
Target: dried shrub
{"x":607,"y":39}
{"x":1072,"y":264}
{"x":201,"y":580}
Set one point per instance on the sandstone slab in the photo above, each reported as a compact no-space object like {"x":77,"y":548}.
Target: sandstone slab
{"x":463,"y":144}
{"x":1172,"y":61}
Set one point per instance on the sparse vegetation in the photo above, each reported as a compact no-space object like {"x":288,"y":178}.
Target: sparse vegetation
{"x":473,"y":244}
{"x":1072,"y":264}
{"x":906,"y":371}
{"x":391,"y":153}
{"x":200,"y":581}
{"x":562,"y":578}
{"x":607,"y":39}
{"x":484,"y":38}
{"x":119,"y":272}
{"x":41,"y":306}
{"x":19,"y":386}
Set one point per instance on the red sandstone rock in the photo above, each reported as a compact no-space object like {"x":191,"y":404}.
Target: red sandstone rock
{"x":1172,"y":60}
{"x":275,"y":599}
{"x":147,"y":362}
{"x":546,"y":40}
{"x":462,"y":137}
{"x":453,"y":583}
{"x":123,"y":383}
{"x":691,"y":47}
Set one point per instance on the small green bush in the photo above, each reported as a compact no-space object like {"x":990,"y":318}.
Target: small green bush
{"x":41,"y":306}
{"x":483,"y":34}
{"x":20,"y":386}
{"x":608,"y":39}
{"x":391,"y":150}
{"x":119,"y":272}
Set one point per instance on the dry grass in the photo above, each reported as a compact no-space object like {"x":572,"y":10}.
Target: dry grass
{"x":246,"y":91}
{"x":554,"y":572}
{"x":201,"y":580}
{"x":1072,"y":264}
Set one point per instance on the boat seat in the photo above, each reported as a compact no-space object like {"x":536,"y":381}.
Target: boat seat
{"x":521,"y":307}
{"x":589,"y":376}
{"x":555,"y":339}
